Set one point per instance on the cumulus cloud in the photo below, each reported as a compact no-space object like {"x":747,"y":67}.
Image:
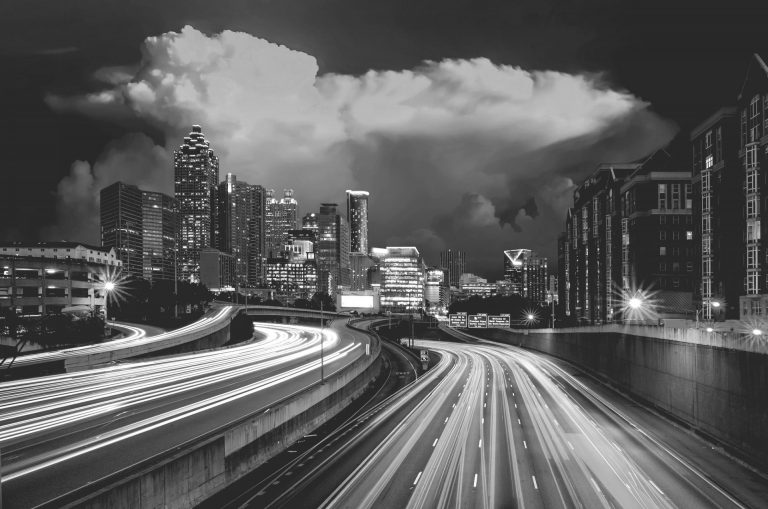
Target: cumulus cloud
{"x":451,"y":151}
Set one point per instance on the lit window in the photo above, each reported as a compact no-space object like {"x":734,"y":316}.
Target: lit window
{"x":689,"y":235}
{"x":662,"y":250}
{"x":709,"y":161}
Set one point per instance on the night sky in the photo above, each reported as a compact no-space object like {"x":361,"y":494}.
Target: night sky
{"x":451,"y":156}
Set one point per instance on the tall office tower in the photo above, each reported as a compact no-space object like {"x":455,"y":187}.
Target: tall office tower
{"x":455,"y":264}
{"x":332,"y":250}
{"x":257,"y":204}
{"x":357,"y":216}
{"x":718,"y":202}
{"x":235,"y":216}
{"x":121,"y":225}
{"x":160,"y":226}
{"x":436,"y":291}
{"x":527,"y":274}
{"x":282,"y":216}
{"x":360,"y":265}
{"x":402,"y":278}
{"x":309,"y":222}
{"x":196,"y":169}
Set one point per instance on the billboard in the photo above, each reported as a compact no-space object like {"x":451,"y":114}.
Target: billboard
{"x":357,"y":301}
{"x":478,"y":321}
{"x":498,"y":321}
{"x":458,"y":320}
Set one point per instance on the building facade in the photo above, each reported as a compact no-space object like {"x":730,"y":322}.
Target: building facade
{"x":752,"y":108}
{"x":402,"y":278}
{"x":160,"y":226}
{"x":196,"y":172}
{"x":455,"y":263}
{"x":281,"y":216}
{"x":121,"y":211}
{"x":718,"y":201}
{"x":436,"y":291}
{"x":357,"y":216}
{"x":218,"y":270}
{"x":360,"y":265}
{"x":527,"y":274}
{"x":292,"y":279}
{"x":50,"y":277}
{"x":658,"y":246}
{"x":332,"y":250}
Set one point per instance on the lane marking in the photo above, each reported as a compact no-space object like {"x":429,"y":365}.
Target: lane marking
{"x":535,"y":485}
{"x":483,"y":420}
{"x":654,"y":485}
{"x":571,"y":446}
{"x":518,"y":421}
{"x":417,"y":479}
{"x":434,"y":443}
{"x":446,"y":420}
{"x":454,"y":405}
{"x":525,"y":445}
{"x":515,"y":405}
{"x":480,"y":443}
{"x":474,"y":485}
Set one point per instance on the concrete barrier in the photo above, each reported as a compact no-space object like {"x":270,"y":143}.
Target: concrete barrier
{"x":720,"y":392}
{"x":201,"y":468}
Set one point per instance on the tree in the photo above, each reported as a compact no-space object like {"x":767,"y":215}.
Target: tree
{"x":302,"y":304}
{"x":273,"y":302}
{"x":327,"y":301}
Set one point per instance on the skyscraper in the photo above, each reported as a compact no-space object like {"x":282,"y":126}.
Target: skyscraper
{"x":160,"y":226}
{"x":121,"y":225}
{"x":235,"y":217}
{"x":256,"y":200}
{"x":527,"y":273}
{"x":402,"y":278}
{"x":281,"y":216}
{"x":196,"y":169}
{"x":332,"y":250}
{"x":455,"y":264}
{"x":357,"y":215}
{"x":309,"y":222}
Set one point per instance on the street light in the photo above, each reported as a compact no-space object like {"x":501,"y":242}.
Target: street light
{"x":757,"y":332}
{"x":635,"y":303}
{"x":710,"y":329}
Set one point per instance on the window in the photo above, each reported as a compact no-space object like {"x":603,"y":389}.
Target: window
{"x":662,"y":250}
{"x":675,"y":251}
{"x":662,"y":267}
{"x":675,"y":235}
{"x":662,"y":219}
{"x":675,"y":267}
{"x":675,"y":196}
{"x":752,"y":257}
{"x":689,"y":235}
{"x":688,"y":196}
{"x":705,"y":181}
{"x":751,"y":156}
{"x":689,"y":266}
{"x":675,"y":283}
{"x":675,"y":219}
{"x":751,"y":181}
{"x":662,"y":196}
{"x":662,"y":235}
{"x":708,"y":140}
{"x":752,"y":207}
{"x":709,"y":162}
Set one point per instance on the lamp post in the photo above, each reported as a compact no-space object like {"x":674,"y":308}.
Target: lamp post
{"x":108,"y":287}
{"x":322,"y":326}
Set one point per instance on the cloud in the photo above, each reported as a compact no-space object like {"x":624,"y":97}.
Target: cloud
{"x":449,"y":150}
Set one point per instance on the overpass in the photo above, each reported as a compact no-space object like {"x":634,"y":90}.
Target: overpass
{"x":171,"y":431}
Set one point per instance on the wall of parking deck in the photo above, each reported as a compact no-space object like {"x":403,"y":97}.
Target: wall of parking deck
{"x":718,"y":391}
{"x":200,"y":470}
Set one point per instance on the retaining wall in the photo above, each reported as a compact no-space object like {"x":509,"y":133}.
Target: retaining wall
{"x":189,"y":477}
{"x":718,"y":391}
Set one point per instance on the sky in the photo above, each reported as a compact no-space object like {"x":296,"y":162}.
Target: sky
{"x":469,"y":123}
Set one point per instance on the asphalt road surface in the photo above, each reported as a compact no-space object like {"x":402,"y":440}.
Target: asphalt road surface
{"x":61,"y":432}
{"x":506,"y":427}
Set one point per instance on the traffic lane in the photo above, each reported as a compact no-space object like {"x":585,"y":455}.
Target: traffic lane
{"x":137,"y":393}
{"x":116,"y":417}
{"x":404,"y":449}
{"x":35,"y":487}
{"x":314,"y":474}
{"x":668,"y":474}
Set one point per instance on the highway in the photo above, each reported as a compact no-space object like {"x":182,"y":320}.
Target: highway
{"x":61,"y":432}
{"x":133,"y":336}
{"x":506,"y":427}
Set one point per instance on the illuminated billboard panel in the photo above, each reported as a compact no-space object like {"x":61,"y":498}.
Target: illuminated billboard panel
{"x":479,"y":321}
{"x":458,"y":320}
{"x":357,"y":301}
{"x":498,"y":321}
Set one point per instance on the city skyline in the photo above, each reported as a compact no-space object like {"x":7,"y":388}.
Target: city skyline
{"x":106,"y":121}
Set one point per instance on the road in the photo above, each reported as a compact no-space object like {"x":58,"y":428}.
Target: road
{"x":61,"y":432}
{"x":506,"y":427}
{"x":133,"y":336}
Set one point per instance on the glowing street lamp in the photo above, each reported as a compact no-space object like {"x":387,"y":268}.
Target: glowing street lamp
{"x":530,"y":316}
{"x":757,"y":332}
{"x":635,"y":303}
{"x":710,"y":329}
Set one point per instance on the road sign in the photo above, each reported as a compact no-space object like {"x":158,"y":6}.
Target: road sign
{"x":479,"y":321}
{"x":458,"y":320}
{"x":424,"y":356}
{"x":498,"y":321}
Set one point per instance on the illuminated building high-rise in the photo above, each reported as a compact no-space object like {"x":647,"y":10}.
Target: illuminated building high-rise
{"x":527,"y":273}
{"x":196,"y":170}
{"x":455,"y":264}
{"x":281,"y":216}
{"x":121,"y":225}
{"x":402,"y":278}
{"x":357,"y":216}
{"x":160,"y":223}
{"x":241,"y":226}
{"x":332,"y":250}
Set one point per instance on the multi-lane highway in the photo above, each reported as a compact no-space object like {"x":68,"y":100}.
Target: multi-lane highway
{"x":61,"y":432}
{"x":505,"y":427}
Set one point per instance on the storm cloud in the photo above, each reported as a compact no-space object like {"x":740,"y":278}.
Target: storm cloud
{"x":467,"y":154}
